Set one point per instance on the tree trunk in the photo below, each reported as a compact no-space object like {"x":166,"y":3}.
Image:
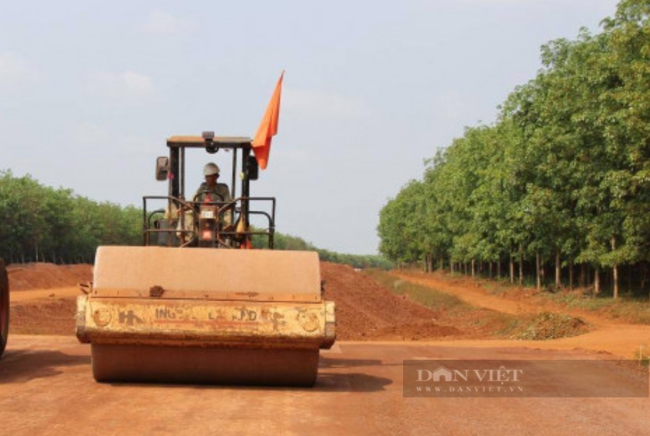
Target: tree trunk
{"x":558,"y":270}
{"x":521,"y":265}
{"x":597,"y":280}
{"x":644,"y":275}
{"x":512,"y":269}
{"x":571,"y":274}
{"x":629,"y":276}
{"x":538,"y":271}
{"x":614,"y":268}
{"x":473,"y":268}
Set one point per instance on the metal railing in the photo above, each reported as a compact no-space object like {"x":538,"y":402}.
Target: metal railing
{"x":166,"y":223}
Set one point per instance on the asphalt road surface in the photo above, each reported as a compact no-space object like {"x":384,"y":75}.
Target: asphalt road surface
{"x":46,"y":388}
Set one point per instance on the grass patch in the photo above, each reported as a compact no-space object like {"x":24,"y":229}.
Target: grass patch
{"x":624,"y":308}
{"x":497,"y":288}
{"x":628,"y":307}
{"x":420,"y":294}
{"x":544,"y":326}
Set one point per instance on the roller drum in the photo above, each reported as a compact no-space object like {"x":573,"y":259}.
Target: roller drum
{"x":232,"y":317}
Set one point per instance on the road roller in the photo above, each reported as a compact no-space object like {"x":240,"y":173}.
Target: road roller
{"x":206,"y":299}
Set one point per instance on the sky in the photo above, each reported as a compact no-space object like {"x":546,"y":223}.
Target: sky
{"x":89,"y":92}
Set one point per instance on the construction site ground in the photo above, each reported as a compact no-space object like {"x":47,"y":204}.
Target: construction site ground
{"x":46,"y":386}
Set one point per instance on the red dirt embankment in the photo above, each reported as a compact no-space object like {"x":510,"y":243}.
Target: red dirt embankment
{"x":43,"y":302}
{"x":365,"y":310}
{"x":30,"y":276}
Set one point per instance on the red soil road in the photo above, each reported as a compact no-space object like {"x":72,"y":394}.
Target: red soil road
{"x":46,"y":388}
{"x":46,"y":385}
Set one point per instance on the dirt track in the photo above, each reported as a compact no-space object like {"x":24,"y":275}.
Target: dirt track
{"x":46,"y":386}
{"x":616,"y":338}
{"x":47,"y":389}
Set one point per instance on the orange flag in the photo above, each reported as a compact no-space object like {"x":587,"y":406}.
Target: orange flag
{"x":268,"y":127}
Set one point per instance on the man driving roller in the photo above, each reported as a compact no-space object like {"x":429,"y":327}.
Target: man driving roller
{"x":211,"y":193}
{"x":210,"y":190}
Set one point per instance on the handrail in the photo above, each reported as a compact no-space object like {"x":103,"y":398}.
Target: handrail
{"x":176,"y":207}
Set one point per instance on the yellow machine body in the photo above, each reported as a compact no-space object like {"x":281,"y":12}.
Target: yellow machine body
{"x":202,"y":315}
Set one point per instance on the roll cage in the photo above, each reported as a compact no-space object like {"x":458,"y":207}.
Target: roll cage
{"x":178,"y":221}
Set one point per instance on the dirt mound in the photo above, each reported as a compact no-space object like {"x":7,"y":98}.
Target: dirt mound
{"x":366,"y":310}
{"x":47,"y":276}
{"x":548,"y":325}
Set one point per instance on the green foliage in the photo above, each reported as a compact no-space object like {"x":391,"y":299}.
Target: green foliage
{"x":355,"y":260}
{"x":288,"y":242}
{"x":39,"y":223}
{"x":628,"y":309}
{"x":403,"y":224}
{"x":564,"y":173}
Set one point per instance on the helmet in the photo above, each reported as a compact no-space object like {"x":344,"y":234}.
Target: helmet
{"x":210,"y":169}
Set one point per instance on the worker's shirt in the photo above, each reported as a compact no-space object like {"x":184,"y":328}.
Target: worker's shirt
{"x":221,"y":189}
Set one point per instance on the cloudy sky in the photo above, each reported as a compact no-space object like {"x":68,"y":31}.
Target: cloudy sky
{"x":89,"y":91}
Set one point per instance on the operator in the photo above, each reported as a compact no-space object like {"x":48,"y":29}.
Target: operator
{"x":210,"y":186}
{"x":212,"y":192}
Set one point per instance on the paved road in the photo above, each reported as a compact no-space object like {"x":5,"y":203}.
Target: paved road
{"x":46,"y":388}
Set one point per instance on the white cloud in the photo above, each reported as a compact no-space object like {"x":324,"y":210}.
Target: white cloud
{"x":121,"y":86}
{"x":314,"y":104}
{"x":14,"y":69}
{"x":162,"y":22}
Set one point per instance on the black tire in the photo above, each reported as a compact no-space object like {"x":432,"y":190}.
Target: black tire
{"x":4,"y":306}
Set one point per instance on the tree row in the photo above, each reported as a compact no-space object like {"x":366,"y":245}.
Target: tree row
{"x":558,"y":188}
{"x":43,"y":224}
